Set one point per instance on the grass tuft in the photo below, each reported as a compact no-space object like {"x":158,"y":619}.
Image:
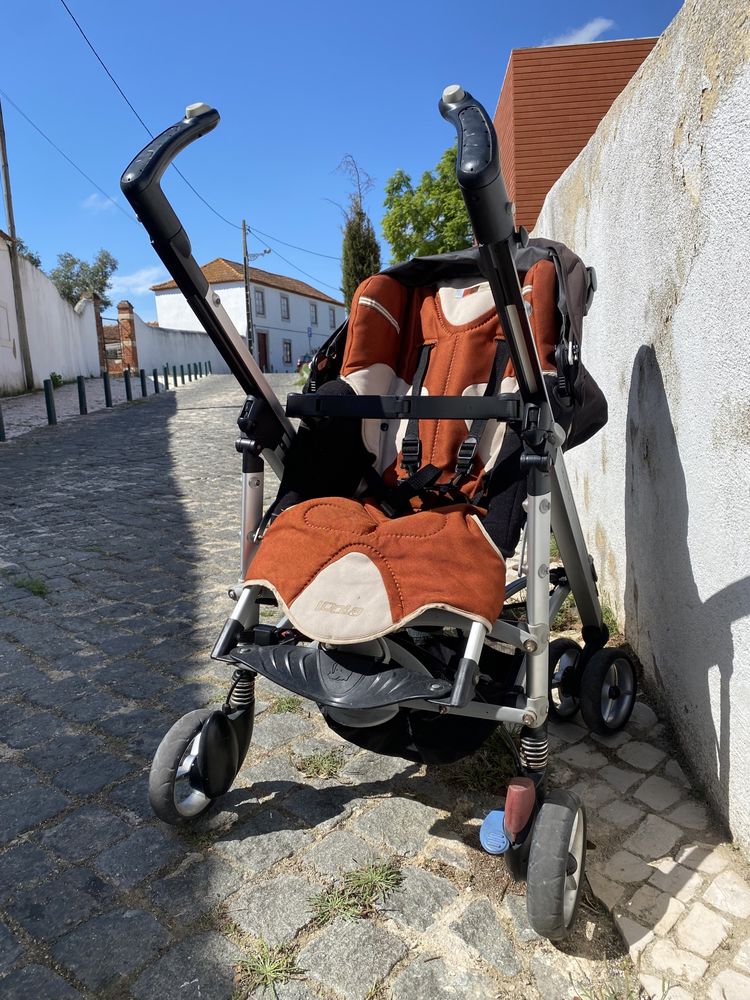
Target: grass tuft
{"x":567,"y":617}
{"x":267,"y":967}
{"x":486,"y":771}
{"x":554,"y":551}
{"x":360,"y":889}
{"x":626,"y":989}
{"x":322,"y":764}
{"x":610,"y":619}
{"x":33,"y":584}
{"x":286,"y":703}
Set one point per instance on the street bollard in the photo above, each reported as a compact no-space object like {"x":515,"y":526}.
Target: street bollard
{"x":210,"y":369}
{"x":195,"y":371}
{"x":49,"y":399}
{"x":144,"y":387}
{"x":128,"y":385}
{"x":200,"y":368}
{"x":174,"y":376}
{"x":166,"y":376}
{"x":2,"y":426}
{"x":182,"y":373}
{"x":82,"y":407}
{"x":157,"y":387}
{"x":107,"y":390}
{"x":190,"y":373}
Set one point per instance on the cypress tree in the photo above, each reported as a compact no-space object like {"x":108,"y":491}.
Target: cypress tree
{"x":360,"y":253}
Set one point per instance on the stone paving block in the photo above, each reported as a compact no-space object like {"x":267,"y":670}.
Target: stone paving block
{"x":569,"y":732}
{"x":31,"y":728}
{"x":399,"y":824}
{"x":10,"y":949}
{"x":674,"y":772}
{"x":93,"y":707}
{"x":110,"y":946}
{"x":657,"y":910}
{"x":142,"y":854}
{"x":132,"y":795}
{"x":340,"y":851}
{"x":284,"y":991}
{"x":321,"y":808}
{"x":264,"y":839}
{"x":643,"y":718}
{"x":729,"y":985}
{"x":605,"y":891}
{"x":275,"y":910}
{"x":90,"y":775}
{"x":516,"y":907}
{"x":621,"y":814}
{"x":702,"y":931}
{"x":742,"y":958}
{"x":480,"y":928}
{"x":707,"y":860}
{"x":691,"y":815}
{"x":273,"y":731}
{"x":57,"y":905}
{"x":419,"y":900}
{"x":434,"y":979}
{"x":84,"y":832}
{"x":142,"y":729}
{"x":449,"y":849}
{"x":679,"y":882}
{"x":658,"y":793}
{"x":375,"y":768}
{"x":593,"y":794}
{"x":644,"y":756}
{"x":275,"y":776}
{"x":654,"y":838}
{"x":198,"y":885}
{"x":620,"y":778}
{"x":22,"y":866}
{"x":655,"y":987}
{"x":28,"y":808}
{"x":635,"y":935}
{"x":730,"y":894}
{"x":675,"y":963}
{"x":550,"y":980}
{"x":611,"y":740}
{"x":34,"y":982}
{"x":626,"y":867}
{"x":64,"y":750}
{"x":583,"y":757}
{"x":201,"y":967}
{"x":351,"y":957}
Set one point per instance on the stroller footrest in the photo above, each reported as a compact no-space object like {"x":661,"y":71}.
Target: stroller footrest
{"x":337,"y":678}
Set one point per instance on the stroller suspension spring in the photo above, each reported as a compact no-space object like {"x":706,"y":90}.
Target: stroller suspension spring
{"x":242,"y":692}
{"x":534,"y":752}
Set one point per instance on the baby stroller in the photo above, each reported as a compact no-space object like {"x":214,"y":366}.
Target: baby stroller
{"x":432,"y":433}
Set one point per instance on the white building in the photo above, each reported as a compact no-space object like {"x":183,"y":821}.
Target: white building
{"x":290,"y":318}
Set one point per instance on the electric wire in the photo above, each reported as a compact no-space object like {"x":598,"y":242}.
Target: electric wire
{"x":255,"y":232}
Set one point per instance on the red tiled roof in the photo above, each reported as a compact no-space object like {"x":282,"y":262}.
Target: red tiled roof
{"x":222,"y":271}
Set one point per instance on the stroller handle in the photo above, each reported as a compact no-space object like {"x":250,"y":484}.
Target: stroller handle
{"x":478,"y":166}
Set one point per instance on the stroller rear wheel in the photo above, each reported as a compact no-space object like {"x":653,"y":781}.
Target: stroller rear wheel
{"x":608,"y":690}
{"x":556,"y":864}
{"x":173,"y":796}
{"x":563,"y":682}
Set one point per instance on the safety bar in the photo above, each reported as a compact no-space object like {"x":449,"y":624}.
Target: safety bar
{"x":491,"y":215}
{"x":140,"y":184}
{"x":504,"y":407}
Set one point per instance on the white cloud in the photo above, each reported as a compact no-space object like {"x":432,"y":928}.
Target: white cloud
{"x":137,"y":283}
{"x":98,"y":203}
{"x":588,"y":32}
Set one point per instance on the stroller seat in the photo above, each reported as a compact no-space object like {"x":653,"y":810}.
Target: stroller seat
{"x":342,"y":569}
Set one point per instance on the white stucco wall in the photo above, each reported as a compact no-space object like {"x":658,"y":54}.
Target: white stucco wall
{"x":172,"y":310}
{"x":158,"y":346}
{"x":61,"y":339}
{"x":659,"y":203}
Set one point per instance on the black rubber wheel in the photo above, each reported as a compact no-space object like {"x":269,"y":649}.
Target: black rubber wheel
{"x":172,"y":797}
{"x":556,"y":865}
{"x":563,"y":686}
{"x":608,"y":690}
{"x":517,"y":861}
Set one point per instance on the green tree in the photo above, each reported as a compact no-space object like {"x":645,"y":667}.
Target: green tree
{"x":429,"y":218}
{"x":74,"y":277}
{"x":360,"y":253}
{"x":30,"y":255}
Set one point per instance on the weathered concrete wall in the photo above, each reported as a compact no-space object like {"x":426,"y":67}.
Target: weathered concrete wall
{"x":659,"y":203}
{"x":158,"y":346}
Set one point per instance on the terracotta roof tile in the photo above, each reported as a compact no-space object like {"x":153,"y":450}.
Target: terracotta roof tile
{"x":222,"y":271}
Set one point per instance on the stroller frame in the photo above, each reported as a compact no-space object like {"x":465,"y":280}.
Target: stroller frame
{"x":210,"y":751}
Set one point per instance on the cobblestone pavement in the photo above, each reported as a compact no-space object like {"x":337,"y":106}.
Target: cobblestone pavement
{"x":118,"y":539}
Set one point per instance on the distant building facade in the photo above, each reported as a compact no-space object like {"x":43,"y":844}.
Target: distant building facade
{"x":290,"y":317}
{"x":552,"y":100}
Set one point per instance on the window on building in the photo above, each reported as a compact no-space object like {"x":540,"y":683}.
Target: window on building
{"x":260,"y":302}
{"x":313,"y":314}
{"x":285,"y":307}
{"x":286,"y":352}
{"x":332,"y":317}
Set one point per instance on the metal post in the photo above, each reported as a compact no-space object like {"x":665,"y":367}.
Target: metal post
{"x":174,"y":376}
{"x":128,"y":385}
{"x":166,"y":376}
{"x":246,"y":276}
{"x":200,"y":368}
{"x":210,"y":369}
{"x":156,"y":381}
{"x":195,"y":371}
{"x":144,"y":387}
{"x":107,"y":390}
{"x":2,"y":426}
{"x":49,"y":399}
{"x":190,"y":373}
{"x":182,"y":373}
{"x":82,"y":407}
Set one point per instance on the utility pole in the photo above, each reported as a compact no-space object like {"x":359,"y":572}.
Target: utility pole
{"x":248,"y":303}
{"x":13,"y":254}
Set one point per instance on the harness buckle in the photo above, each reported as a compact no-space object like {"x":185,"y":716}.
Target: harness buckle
{"x":411,"y":453}
{"x":466,"y":454}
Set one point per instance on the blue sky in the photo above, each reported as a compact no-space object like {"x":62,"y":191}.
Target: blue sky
{"x":299,"y":85}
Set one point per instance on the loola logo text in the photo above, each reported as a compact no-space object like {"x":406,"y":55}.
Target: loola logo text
{"x":331,"y":608}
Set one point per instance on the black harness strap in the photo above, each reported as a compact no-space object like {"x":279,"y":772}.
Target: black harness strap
{"x":411,"y":446}
{"x":468,"y":448}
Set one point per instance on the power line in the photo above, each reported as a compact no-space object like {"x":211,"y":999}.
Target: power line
{"x":65,"y":156}
{"x":293,"y":246}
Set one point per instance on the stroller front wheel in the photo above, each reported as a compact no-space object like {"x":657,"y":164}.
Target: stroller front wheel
{"x":556,"y":864}
{"x":173,"y":797}
{"x":563,"y":685}
{"x":608,"y":690}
